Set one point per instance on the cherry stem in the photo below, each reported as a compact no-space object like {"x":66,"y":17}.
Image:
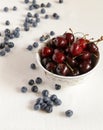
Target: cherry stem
{"x":69,"y":67}
{"x":99,"y":40}
{"x":71,"y":30}
{"x":95,"y":55}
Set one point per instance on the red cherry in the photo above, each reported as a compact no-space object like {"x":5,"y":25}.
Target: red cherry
{"x":46,"y":51}
{"x":58,"y":57}
{"x":69,"y":37}
{"x":83,"y":42}
{"x":85,"y":55}
{"x":51,"y":66}
{"x":60,"y":42}
{"x":62,"y":69}
{"x":76,"y":49}
{"x":92,"y":47}
{"x":72,"y":62}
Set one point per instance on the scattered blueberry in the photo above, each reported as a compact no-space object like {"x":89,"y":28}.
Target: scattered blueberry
{"x":14,"y":8}
{"x":7,"y":49}
{"x":45,"y":93}
{"x":48,"y":5}
{"x":2,"y":53}
{"x":43,"y":11}
{"x":39,"y":101}
{"x":53,"y":97}
{"x":49,"y":109}
{"x":36,"y":15}
{"x":31,"y":82}
{"x":42,"y":38}
{"x":52,"y":33}
{"x":34,"y":1}
{"x":43,"y":106}
{"x":2,"y":45}
{"x":38,"y":80}
{"x":29,"y":14}
{"x":24,"y":89}
{"x":37,"y":107}
{"x":10,"y":44}
{"x":46,"y":99}
{"x":37,"y":20}
{"x":30,"y":47}
{"x":57,"y":102}
{"x":6,"y":9}
{"x":34,"y":89}
{"x":7,"y":22}
{"x":31,"y":7}
{"x":26,"y":28}
{"x":46,"y":16}
{"x":35,"y":44}
{"x":34,"y":24}
{"x":60,"y":1}
{"x":26,"y":1}
{"x":36,"y":6}
{"x":42,"y":5}
{"x":69,"y":113}
{"x":57,"y":86}
{"x":33,"y":66}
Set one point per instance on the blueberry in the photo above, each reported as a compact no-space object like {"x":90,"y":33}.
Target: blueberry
{"x":26,"y":28}
{"x":37,"y":107}
{"x":7,"y":49}
{"x":26,"y":1}
{"x":48,"y":5}
{"x":24,"y":89}
{"x":2,"y":53}
{"x":17,"y":35}
{"x":7,"y":22}
{"x":52,"y":33}
{"x":43,"y":106}
{"x":57,"y":102}
{"x":37,"y":20}
{"x":6,"y":39}
{"x":30,"y":47}
{"x":10,"y":44}
{"x":35,"y":44}
{"x":38,"y":80}
{"x":45,"y":93}
{"x":34,"y":24}
{"x":56,"y":16}
{"x":17,"y":29}
{"x":31,"y":21}
{"x":42,"y":5}
{"x":33,"y":66}
{"x":31,"y":82}
{"x":36,"y":6}
{"x":2,"y":45}
{"x":36,"y":15}
{"x":46,"y":16}
{"x":69,"y":113}
{"x":53,"y":97}
{"x":60,"y":1}
{"x":6,"y":9}
{"x":39,"y":101}
{"x":31,"y":7}
{"x":29,"y":14}
{"x":43,"y":11}
{"x":11,"y":36}
{"x":49,"y":109}
{"x":34,"y":1}
{"x":34,"y":89}
{"x":57,"y":86}
{"x":14,"y":8}
{"x":46,"y":99}
{"x":50,"y":103}
{"x":42,"y":38}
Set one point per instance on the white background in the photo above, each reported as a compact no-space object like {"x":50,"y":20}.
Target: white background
{"x":86,"y":100}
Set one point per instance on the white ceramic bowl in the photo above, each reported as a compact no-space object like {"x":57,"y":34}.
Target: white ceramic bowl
{"x":65,"y":80}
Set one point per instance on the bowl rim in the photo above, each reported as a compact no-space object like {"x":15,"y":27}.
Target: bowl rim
{"x":65,"y":77}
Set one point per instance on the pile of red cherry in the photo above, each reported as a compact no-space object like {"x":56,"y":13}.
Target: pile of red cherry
{"x":68,"y":55}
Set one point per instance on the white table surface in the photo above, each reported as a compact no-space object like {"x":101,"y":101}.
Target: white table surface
{"x":86,"y":100}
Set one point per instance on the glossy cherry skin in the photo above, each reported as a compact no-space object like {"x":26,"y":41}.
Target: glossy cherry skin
{"x":51,"y":66}
{"x":69,"y":37}
{"x":60,"y":42}
{"x":75,"y":72}
{"x":76,"y":49}
{"x":85,"y":55}
{"x":62,"y":69}
{"x":58,"y":57}
{"x":92,"y":47}
{"x":85,"y":67}
{"x":72,"y":62}
{"x":46,"y":51}
{"x":83,"y":42}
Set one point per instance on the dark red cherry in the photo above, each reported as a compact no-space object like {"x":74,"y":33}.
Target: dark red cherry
{"x":46,"y":51}
{"x":45,"y":60}
{"x":62,"y":69}
{"x":58,"y":57}
{"x":72,"y":62}
{"x":69,"y":37}
{"x":92,"y":47}
{"x":85,"y":55}
{"x":85,"y":67}
{"x":60,"y":42}
{"x":76,"y":49}
{"x":75,"y":72}
{"x":83,"y":42}
{"x":51,"y":66}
